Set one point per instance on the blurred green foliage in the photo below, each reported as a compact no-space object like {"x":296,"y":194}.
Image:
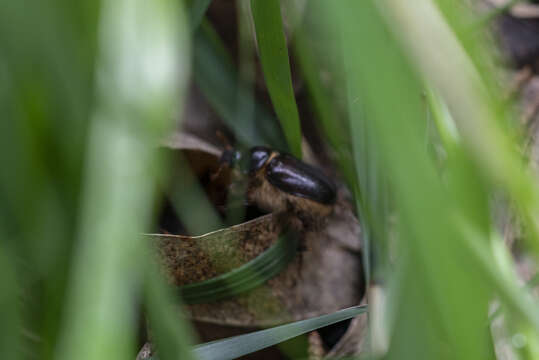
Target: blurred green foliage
{"x":273,"y":52}
{"x":47,"y":59}
{"x":217,"y":78}
{"x":89,"y":88}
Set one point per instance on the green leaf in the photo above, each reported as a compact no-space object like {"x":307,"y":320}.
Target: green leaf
{"x":10,"y":339}
{"x":46,"y":96}
{"x":237,"y":346}
{"x":189,"y":200}
{"x":217,"y":79}
{"x":276,"y":67}
{"x":310,"y":57}
{"x":135,"y":104}
{"x":171,"y":335}
{"x":479,"y":124}
{"x":432,"y":264}
{"x":490,"y":143}
{"x":196,"y":12}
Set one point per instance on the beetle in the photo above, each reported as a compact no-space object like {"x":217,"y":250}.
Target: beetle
{"x":279,"y":182}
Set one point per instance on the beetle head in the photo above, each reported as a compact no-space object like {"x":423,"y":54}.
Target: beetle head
{"x":231,"y":157}
{"x":258,"y":156}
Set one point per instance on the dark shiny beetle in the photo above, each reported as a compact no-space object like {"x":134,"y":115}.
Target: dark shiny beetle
{"x":292,"y":175}
{"x":281,"y":183}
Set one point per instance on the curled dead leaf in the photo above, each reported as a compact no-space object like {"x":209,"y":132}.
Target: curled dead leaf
{"x":190,"y":259}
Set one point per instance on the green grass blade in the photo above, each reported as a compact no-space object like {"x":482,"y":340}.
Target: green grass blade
{"x":372,"y":196}
{"x":46,"y":94}
{"x":276,"y":67}
{"x":217,"y":79}
{"x":135,"y":104}
{"x":196,"y":12}
{"x":469,"y":97}
{"x":432,"y":281}
{"x":11,"y":326}
{"x":237,"y":346}
{"x":327,"y":111}
{"x":312,"y":43}
{"x":172,"y":336}
{"x":490,"y":147}
{"x":189,"y":200}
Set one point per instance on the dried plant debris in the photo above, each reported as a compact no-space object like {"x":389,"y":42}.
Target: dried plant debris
{"x":520,"y":40}
{"x":186,"y":141}
{"x":146,"y":352}
{"x":189,"y":259}
{"x":522,"y":9}
{"x":325,"y":277}
{"x":353,"y":341}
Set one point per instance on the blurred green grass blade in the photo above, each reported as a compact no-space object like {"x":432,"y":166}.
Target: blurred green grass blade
{"x":437,"y":246}
{"x":276,"y":67}
{"x":246,"y":277}
{"x":445,"y":125}
{"x":373,"y":189}
{"x":474,"y":109}
{"x":189,"y":200}
{"x":136,"y":101}
{"x":196,"y":12}
{"x":463,"y":177}
{"x":102,"y":279}
{"x":517,"y":299}
{"x":434,"y":282}
{"x":11,"y":326}
{"x":237,"y":346}
{"x":530,"y":285}
{"x":360,"y":171}
{"x":328,"y":114}
{"x":46,"y":93}
{"x":361,"y":162}
{"x":372,"y":195}
{"x":246,"y":64}
{"x":334,"y":132}
{"x":216,"y":77}
{"x":469,"y":97}
{"x":171,"y":333}
{"x":307,"y":37}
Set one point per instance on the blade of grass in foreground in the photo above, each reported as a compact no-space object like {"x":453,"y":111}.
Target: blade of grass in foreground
{"x":136,"y":101}
{"x":189,"y":200}
{"x":216,"y":77}
{"x":434,"y":280}
{"x":322,"y":94}
{"x":468,"y":97}
{"x":196,"y":12}
{"x":312,"y":42}
{"x":237,"y":346}
{"x":10,"y":329}
{"x":276,"y":66}
{"x":478,"y":122}
{"x":171,"y":334}
{"x":436,"y":246}
{"x":46,"y":92}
